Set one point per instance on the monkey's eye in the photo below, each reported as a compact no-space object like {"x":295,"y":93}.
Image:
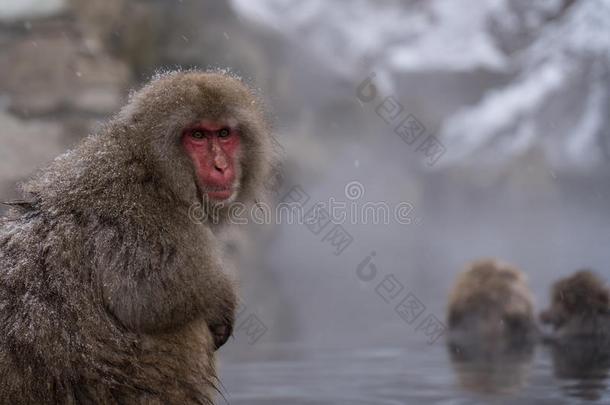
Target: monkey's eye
{"x":224,"y":132}
{"x":197,"y":134}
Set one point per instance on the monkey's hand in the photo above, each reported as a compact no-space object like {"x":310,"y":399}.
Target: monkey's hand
{"x":220,"y":313}
{"x":221,"y":334}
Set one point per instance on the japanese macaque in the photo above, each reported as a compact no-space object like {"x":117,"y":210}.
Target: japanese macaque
{"x":109,"y":292}
{"x":491,"y":327}
{"x":579,"y":335}
{"x":491,"y":299}
{"x":580,"y":306}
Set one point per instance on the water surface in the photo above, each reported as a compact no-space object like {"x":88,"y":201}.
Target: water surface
{"x":417,"y":373}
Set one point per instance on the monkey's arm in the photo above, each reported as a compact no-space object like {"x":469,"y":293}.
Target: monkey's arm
{"x":159,"y":285}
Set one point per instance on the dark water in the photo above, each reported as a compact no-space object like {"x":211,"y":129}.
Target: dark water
{"x":417,"y":373}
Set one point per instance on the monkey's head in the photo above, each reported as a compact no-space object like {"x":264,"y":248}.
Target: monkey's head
{"x":205,"y":137}
{"x":492,"y":295}
{"x":581,"y":295}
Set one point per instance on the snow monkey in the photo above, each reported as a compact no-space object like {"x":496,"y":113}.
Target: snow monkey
{"x":578,"y":332}
{"x":492,"y":299}
{"x":109,"y":292}
{"x":492,"y":330}
{"x":580,"y":307}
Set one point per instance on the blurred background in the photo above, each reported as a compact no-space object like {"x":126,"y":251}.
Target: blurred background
{"x":489,"y":122}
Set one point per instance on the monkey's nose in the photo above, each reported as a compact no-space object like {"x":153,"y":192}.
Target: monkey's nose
{"x":220,"y":163}
{"x":221,"y":171}
{"x":220,"y":168}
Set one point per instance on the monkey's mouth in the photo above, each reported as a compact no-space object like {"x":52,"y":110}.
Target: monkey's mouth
{"x":219,"y":193}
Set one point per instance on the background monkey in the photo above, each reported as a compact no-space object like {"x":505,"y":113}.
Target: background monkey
{"x":579,"y":340}
{"x":491,"y":297}
{"x":580,"y":306}
{"x":108,"y":291}
{"x":491,"y":327}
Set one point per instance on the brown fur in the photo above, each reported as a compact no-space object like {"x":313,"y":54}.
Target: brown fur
{"x":491,"y":327}
{"x":491,"y":298}
{"x":107,"y":288}
{"x":580,"y":306}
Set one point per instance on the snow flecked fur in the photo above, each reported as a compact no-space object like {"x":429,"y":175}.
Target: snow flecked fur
{"x":107,"y":288}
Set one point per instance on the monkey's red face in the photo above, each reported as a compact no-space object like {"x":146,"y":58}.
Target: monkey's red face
{"x":214,"y":148}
